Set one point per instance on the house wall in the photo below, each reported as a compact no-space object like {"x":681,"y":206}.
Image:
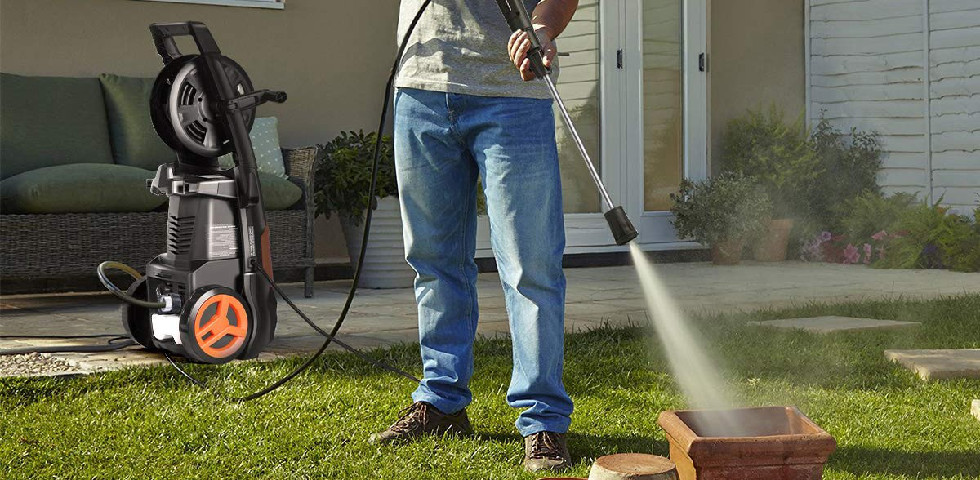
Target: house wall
{"x":312,"y":49}
{"x":756,"y":59}
{"x":887,"y":66}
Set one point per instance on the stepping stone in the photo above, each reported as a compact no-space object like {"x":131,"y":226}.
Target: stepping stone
{"x":633,"y":466}
{"x":976,"y":409}
{"x":939,"y":364}
{"x":833,"y":324}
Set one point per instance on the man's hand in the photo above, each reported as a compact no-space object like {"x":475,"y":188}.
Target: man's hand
{"x":519,"y":44}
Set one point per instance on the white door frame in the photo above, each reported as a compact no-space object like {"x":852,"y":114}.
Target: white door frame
{"x":621,"y":127}
{"x":655,"y":228}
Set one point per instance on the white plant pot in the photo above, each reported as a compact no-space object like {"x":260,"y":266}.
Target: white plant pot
{"x":384,"y":260}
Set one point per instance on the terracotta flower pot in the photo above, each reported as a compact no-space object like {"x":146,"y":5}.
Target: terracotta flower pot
{"x":768,"y":443}
{"x":728,"y":252}
{"x":772,"y":245}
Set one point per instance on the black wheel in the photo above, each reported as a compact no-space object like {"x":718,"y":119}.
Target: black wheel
{"x":136,"y":320}
{"x":215,"y":325}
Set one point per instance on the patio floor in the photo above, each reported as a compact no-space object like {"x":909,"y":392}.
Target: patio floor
{"x":595,"y":296}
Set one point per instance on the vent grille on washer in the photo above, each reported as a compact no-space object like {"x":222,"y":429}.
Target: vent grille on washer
{"x":188,"y":96}
{"x":180,"y":233}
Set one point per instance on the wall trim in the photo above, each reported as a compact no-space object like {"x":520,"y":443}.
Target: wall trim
{"x":808,"y":83}
{"x":271,"y":4}
{"x":927,"y":96}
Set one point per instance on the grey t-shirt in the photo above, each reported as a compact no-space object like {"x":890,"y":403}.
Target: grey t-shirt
{"x":460,"y":46}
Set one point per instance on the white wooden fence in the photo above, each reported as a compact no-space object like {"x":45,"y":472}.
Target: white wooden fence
{"x":910,"y":70}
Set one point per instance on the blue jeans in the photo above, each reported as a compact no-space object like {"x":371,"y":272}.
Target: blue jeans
{"x":443,"y":142}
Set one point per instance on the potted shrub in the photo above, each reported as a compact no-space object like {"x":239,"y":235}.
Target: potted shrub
{"x":779,"y":156}
{"x":722,"y":213}
{"x":343,"y":177}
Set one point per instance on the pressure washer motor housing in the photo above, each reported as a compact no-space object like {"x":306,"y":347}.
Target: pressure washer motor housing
{"x":214,"y":305}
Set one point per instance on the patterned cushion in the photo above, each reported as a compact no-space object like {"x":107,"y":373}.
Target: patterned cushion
{"x":265,"y":146}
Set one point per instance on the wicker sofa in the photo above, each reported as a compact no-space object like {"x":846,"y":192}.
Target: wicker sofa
{"x":45,"y":246}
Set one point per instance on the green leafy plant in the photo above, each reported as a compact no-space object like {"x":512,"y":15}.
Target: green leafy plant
{"x":724,"y":207}
{"x":776,"y":154}
{"x":862,"y":217}
{"x":930,"y":236}
{"x":849,"y":162}
{"x":343,"y":175}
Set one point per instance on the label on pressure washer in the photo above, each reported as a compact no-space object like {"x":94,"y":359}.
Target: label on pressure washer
{"x":222,"y":241}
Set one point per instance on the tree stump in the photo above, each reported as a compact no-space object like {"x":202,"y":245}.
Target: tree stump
{"x":633,"y":466}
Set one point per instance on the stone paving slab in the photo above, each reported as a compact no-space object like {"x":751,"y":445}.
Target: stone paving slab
{"x":975,"y":410}
{"x":831,"y":324}
{"x":944,"y":364}
{"x":595,"y":297}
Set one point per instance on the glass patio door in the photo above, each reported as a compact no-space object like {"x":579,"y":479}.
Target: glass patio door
{"x":626,"y":77}
{"x":667,"y":99}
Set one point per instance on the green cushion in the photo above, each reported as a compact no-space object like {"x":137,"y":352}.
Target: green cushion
{"x":134,"y":141}
{"x":48,"y":121}
{"x":277,"y":192}
{"x":265,"y":146}
{"x":79,"y":188}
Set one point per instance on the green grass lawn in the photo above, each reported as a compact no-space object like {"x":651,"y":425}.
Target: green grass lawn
{"x":150,"y":423}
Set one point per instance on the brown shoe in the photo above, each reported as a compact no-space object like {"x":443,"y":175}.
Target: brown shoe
{"x":421,"y":418}
{"x":546,"y":451}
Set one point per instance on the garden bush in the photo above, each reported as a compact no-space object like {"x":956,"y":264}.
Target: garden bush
{"x":728,"y":206}
{"x":849,"y":166}
{"x":870,"y":213}
{"x":777,"y":155}
{"x":930,"y":236}
{"x":899,"y":232}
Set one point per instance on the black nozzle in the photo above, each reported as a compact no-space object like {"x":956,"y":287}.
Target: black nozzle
{"x":620,"y":225}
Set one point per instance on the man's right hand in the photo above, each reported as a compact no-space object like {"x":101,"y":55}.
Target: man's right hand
{"x":520,"y":43}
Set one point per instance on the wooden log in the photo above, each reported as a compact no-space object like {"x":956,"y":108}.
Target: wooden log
{"x":633,"y":466}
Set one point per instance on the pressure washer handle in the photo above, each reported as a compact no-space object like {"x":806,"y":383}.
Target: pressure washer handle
{"x":164,"y":33}
{"x":518,"y":19}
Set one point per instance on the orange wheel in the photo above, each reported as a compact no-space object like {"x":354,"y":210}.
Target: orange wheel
{"x":218,"y":326}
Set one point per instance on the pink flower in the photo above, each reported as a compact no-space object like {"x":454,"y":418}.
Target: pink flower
{"x":851,"y":254}
{"x":867,"y":253}
{"x":880,"y":235}
{"x":826,"y":236}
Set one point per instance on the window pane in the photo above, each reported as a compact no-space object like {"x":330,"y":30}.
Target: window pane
{"x":663,"y":94}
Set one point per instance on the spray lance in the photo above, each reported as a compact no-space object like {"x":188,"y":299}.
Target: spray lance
{"x":518,"y":19}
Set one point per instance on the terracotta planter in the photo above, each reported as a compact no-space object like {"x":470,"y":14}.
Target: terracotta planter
{"x":771,"y":443}
{"x":772,"y":245}
{"x":384,"y":260}
{"x":728,"y":252}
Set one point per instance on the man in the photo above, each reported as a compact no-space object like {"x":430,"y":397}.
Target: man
{"x":463,"y":111}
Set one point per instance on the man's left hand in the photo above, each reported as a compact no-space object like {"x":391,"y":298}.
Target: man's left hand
{"x":519,"y":44}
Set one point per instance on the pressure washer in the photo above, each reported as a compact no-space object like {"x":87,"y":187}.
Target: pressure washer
{"x":204,"y":298}
{"x":211,"y":297}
